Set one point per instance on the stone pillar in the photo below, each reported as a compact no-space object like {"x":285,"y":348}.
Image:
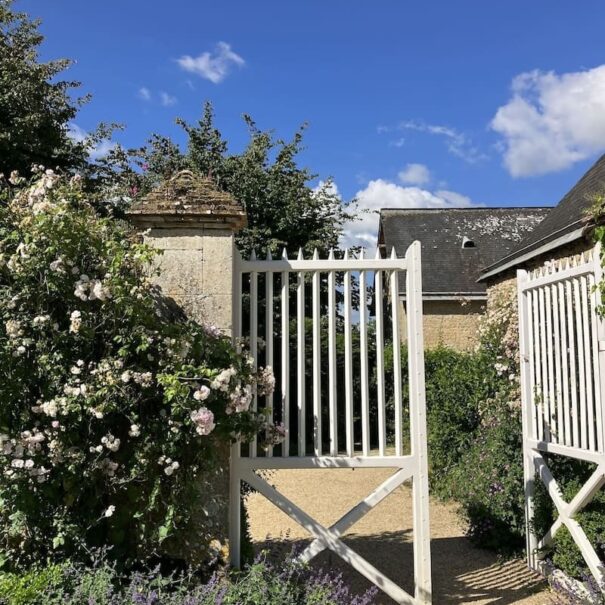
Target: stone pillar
{"x":193,"y":225}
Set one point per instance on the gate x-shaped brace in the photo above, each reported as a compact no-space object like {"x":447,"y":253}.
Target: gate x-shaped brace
{"x":566,"y":510}
{"x":330,"y":537}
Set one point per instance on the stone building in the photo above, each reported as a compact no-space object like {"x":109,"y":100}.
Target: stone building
{"x":565,"y":232}
{"x":456,"y":244}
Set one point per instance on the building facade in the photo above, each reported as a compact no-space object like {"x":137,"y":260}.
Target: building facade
{"x":456,"y":244}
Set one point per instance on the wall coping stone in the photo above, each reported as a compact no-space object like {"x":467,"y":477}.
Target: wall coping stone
{"x":187,"y":200}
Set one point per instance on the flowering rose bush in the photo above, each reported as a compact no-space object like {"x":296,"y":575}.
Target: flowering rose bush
{"x":112,"y":403}
{"x":488,"y":481}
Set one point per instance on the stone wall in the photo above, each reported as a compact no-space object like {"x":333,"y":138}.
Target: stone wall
{"x":510,"y":276}
{"x":195,"y":269}
{"x":449,"y":323}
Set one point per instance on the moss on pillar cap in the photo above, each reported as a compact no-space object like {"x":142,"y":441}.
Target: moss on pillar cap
{"x":187,"y":199}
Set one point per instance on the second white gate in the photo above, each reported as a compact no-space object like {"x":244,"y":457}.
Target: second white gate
{"x":562,"y":350}
{"x":323,"y":430}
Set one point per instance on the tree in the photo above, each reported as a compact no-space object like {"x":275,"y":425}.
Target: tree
{"x":283,"y":209}
{"x":35,"y":110}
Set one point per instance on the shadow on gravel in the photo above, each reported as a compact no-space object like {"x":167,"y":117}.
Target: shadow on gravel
{"x":461,"y":572}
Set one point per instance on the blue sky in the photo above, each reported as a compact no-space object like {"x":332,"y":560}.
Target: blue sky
{"x":432,"y":103}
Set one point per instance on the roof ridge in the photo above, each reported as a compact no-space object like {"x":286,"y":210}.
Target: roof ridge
{"x":564,"y":218}
{"x":458,"y":209}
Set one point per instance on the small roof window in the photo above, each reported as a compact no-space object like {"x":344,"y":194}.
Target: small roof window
{"x":467,"y":242}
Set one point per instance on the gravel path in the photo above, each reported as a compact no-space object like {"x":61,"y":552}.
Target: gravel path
{"x":461,"y":573}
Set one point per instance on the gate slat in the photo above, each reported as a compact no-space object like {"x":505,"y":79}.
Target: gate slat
{"x":590,"y":403}
{"x":397,"y":389}
{"x":595,"y":360}
{"x":363,"y":348}
{"x":553,"y":420}
{"x":316,"y":360}
{"x":581,"y":364}
{"x":269,"y":341}
{"x":575,"y":414}
{"x":558,"y":376}
{"x":348,"y":362}
{"x":285,"y":357}
{"x":382,"y":435}
{"x":536,"y":395}
{"x":254,"y":338}
{"x":533,"y":424}
{"x":564,"y":365}
{"x":332,"y":402}
{"x":544,"y":392}
{"x":300,"y":359}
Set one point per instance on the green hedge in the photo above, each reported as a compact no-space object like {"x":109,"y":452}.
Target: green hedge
{"x":456,"y":384}
{"x":475,"y":455}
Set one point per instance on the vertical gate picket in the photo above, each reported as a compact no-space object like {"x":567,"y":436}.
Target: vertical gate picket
{"x":316,"y":282}
{"x":300,"y":358}
{"x":348,"y":328}
{"x":363,"y":349}
{"x":397,"y":390}
{"x":382,"y":431}
{"x":269,"y":340}
{"x":285,"y":357}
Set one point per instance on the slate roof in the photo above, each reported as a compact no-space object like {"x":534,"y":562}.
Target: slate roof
{"x":570,"y":214}
{"x":448,"y":269}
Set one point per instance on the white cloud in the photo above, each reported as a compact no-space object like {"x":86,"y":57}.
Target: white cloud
{"x":212,"y":66}
{"x":327,"y":187}
{"x":167,"y":100}
{"x":552,"y":121}
{"x":415,"y":174}
{"x":79,"y":135}
{"x":145,"y":94}
{"x":380,"y":193}
{"x":457,"y":143}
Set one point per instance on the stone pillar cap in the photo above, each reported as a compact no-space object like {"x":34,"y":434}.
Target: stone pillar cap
{"x":188,"y":200}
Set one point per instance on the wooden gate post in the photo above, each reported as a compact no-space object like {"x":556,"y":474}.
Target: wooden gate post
{"x":420,"y":483}
{"x":529,"y":470}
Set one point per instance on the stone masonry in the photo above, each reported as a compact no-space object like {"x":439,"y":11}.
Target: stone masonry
{"x":193,"y":225}
{"x":451,"y":323}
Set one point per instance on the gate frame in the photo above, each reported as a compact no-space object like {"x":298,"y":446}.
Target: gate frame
{"x":413,"y":466}
{"x":534,"y":449}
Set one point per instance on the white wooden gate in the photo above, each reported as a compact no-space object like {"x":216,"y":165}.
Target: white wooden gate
{"x":562,"y":346}
{"x":303,"y":447}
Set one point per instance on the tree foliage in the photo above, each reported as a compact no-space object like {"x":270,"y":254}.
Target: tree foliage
{"x":35,"y":107}
{"x":283,"y":209}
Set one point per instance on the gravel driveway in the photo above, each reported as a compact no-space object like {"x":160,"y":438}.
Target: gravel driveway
{"x":461,"y":573}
